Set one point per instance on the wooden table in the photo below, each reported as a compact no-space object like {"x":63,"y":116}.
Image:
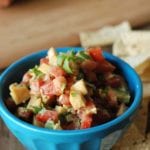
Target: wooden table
{"x":28,"y":26}
{"x":31,"y":25}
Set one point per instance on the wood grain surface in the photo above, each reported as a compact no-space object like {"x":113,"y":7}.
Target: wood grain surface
{"x":31,"y":25}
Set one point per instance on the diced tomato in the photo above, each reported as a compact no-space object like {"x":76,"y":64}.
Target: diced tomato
{"x":41,"y":82}
{"x":54,"y":87}
{"x":104,"y":65}
{"x":46,"y":115}
{"x":35,"y":86}
{"x":86,"y":121}
{"x":89,"y":109}
{"x":44,"y":60}
{"x":48,"y":88}
{"x":26,"y":78}
{"x":64,"y":100}
{"x":90,"y":106}
{"x":59,"y":85}
{"x":57,"y":71}
{"x":47,"y":78}
{"x":96,"y":54}
{"x":86,"y":114}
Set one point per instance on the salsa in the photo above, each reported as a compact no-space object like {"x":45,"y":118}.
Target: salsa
{"x":73,"y":90}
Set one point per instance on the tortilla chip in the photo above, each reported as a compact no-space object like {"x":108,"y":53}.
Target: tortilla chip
{"x":132,"y":43}
{"x":146,"y":90}
{"x":105,"y":36}
{"x":145,"y":76}
{"x":141,"y":63}
{"x":134,"y":48}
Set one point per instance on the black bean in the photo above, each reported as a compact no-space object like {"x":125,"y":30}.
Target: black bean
{"x":25,"y":114}
{"x":11,"y":105}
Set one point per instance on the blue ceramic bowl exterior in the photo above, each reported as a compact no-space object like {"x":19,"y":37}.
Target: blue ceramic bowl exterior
{"x":35,"y":138}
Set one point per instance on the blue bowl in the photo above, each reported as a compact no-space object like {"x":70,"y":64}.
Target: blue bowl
{"x":36,"y":138}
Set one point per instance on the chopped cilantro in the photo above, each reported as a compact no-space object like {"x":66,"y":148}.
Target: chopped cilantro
{"x":36,"y":72}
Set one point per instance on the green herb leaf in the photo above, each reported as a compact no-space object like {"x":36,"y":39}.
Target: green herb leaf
{"x":50,"y":124}
{"x":71,"y":53}
{"x":66,"y":66}
{"x":37,"y":109}
{"x":74,"y":94}
{"x":60,"y":59}
{"x":123,"y":96}
{"x":83,"y":55}
{"x":36,"y":72}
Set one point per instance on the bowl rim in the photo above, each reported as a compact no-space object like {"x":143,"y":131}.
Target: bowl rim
{"x":136,"y":101}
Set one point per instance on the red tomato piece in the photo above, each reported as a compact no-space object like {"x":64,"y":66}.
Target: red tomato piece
{"x":44,"y":60}
{"x":54,"y":87}
{"x":48,"y":88}
{"x":64,"y":100}
{"x":90,"y":105}
{"x":104,"y":65}
{"x":26,"y":78}
{"x":35,"y":86}
{"x":57,"y":71}
{"x":59,"y":85}
{"x":86,"y":121}
{"x":46,"y":115}
{"x":89,"y":109}
{"x":96,"y":54}
{"x":86,"y":114}
{"x":40,"y":82}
